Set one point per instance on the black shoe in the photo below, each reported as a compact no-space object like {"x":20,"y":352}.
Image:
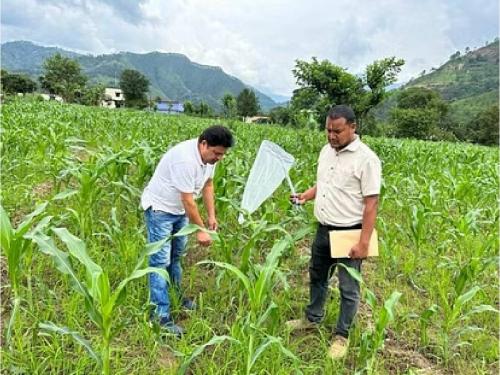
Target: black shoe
{"x":188,"y":304}
{"x":168,"y":324}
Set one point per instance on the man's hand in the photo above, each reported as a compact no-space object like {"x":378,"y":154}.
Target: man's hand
{"x":359,"y":251}
{"x":212,"y":223}
{"x":297,"y":198}
{"x":203,"y":238}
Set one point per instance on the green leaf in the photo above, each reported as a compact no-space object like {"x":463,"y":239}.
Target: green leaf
{"x":24,"y":226}
{"x":61,"y":260}
{"x":53,"y":328}
{"x":390,"y":303}
{"x":64,"y":194}
{"x":271,"y":340}
{"x":354,"y":273}
{"x":189,"y":229}
{"x":464,"y":298}
{"x":77,"y":249}
{"x":483,"y":308}
{"x":370,"y":298}
{"x":243,"y":278}
{"x":6,"y":231}
{"x":117,"y":294}
{"x":268,"y":341}
{"x":426,"y":315}
{"x":301,"y":233}
{"x":216,"y":340}
{"x":40,"y":226}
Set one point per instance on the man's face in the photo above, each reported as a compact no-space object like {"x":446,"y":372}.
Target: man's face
{"x":211,"y":154}
{"x":339,"y":132}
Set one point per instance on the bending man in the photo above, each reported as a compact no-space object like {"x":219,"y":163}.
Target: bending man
{"x":184,"y":171}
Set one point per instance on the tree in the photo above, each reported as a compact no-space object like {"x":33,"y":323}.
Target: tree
{"x":247,"y":103}
{"x":280,"y":115}
{"x":420,"y":113}
{"x":414,"y":123}
{"x":63,"y":76}
{"x":322,"y":84}
{"x":484,"y":127}
{"x":203,"y":109}
{"x":188,"y":107}
{"x":16,"y":83}
{"x":93,"y":95}
{"x":229,"y":106}
{"x":134,"y":86}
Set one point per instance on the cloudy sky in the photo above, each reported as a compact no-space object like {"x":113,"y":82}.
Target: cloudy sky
{"x":259,"y":40}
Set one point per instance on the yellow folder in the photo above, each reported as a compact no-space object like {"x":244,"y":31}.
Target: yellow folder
{"x":342,"y":241}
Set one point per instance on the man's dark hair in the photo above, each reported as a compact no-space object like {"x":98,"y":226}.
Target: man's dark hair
{"x":342,"y":111}
{"x":217,"y":135}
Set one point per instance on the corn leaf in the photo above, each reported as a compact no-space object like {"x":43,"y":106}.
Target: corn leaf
{"x":53,"y":328}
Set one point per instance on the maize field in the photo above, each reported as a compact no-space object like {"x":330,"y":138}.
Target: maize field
{"x":74,"y":294}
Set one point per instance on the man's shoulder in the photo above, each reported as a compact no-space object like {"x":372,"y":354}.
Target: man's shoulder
{"x":182,"y":151}
{"x":325,"y":149}
{"x":367,"y":152}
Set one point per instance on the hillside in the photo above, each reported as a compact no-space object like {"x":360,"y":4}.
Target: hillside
{"x":474,"y":73}
{"x":468,"y":82}
{"x":172,"y":75}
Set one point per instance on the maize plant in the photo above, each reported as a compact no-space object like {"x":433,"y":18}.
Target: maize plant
{"x":16,"y":246}
{"x":437,"y":222}
{"x":99,"y":300}
{"x":259,"y":283}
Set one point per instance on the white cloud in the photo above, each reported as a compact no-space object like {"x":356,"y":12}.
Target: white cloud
{"x":258,"y":41}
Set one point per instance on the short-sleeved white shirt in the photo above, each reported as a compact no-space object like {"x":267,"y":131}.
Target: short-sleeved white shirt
{"x":344,"y":178}
{"x":180,"y":170}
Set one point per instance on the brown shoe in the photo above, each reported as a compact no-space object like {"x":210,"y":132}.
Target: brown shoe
{"x":338,"y":349}
{"x":300,"y":324}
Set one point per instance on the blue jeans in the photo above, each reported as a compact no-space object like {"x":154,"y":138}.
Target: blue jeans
{"x":321,"y":268}
{"x":160,"y":225}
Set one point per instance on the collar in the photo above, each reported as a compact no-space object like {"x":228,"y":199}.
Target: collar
{"x":197,"y":153}
{"x":353,"y":146}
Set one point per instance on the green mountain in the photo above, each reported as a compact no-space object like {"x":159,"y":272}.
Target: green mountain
{"x":469,"y":82}
{"x":172,"y":75}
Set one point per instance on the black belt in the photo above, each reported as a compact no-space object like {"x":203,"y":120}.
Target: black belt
{"x":334,"y":227}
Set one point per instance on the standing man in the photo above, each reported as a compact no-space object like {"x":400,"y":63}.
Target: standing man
{"x":184,"y":171}
{"x":346,"y":197}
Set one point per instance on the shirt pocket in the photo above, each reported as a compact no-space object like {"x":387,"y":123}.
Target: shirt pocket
{"x":342,"y":177}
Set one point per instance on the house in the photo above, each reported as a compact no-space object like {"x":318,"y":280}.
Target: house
{"x":113,"y":98}
{"x":169,"y":107}
{"x":258,"y":120}
{"x":55,"y":97}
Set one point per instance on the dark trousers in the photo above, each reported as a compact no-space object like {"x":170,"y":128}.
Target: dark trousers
{"x":321,"y":268}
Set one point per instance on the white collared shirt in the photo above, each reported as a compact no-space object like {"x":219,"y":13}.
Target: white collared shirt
{"x":180,"y":170}
{"x":344,"y":178}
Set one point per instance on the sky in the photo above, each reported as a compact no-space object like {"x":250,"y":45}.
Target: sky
{"x":258,"y":41}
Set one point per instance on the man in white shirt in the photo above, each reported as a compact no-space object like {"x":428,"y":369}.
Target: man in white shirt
{"x":346,"y":197}
{"x":184,"y":172}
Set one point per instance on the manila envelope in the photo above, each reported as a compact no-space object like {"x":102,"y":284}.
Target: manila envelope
{"x":342,"y":241}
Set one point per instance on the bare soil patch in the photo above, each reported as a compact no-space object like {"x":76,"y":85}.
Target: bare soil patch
{"x":43,"y":190}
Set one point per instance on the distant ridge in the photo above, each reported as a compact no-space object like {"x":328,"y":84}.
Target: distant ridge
{"x":172,"y":75}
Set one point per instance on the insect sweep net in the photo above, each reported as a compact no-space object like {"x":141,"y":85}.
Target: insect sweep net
{"x":270,"y":167}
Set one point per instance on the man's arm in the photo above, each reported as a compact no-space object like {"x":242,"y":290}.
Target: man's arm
{"x":360,"y":250}
{"x":195,"y":218}
{"x":208,"y":200}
